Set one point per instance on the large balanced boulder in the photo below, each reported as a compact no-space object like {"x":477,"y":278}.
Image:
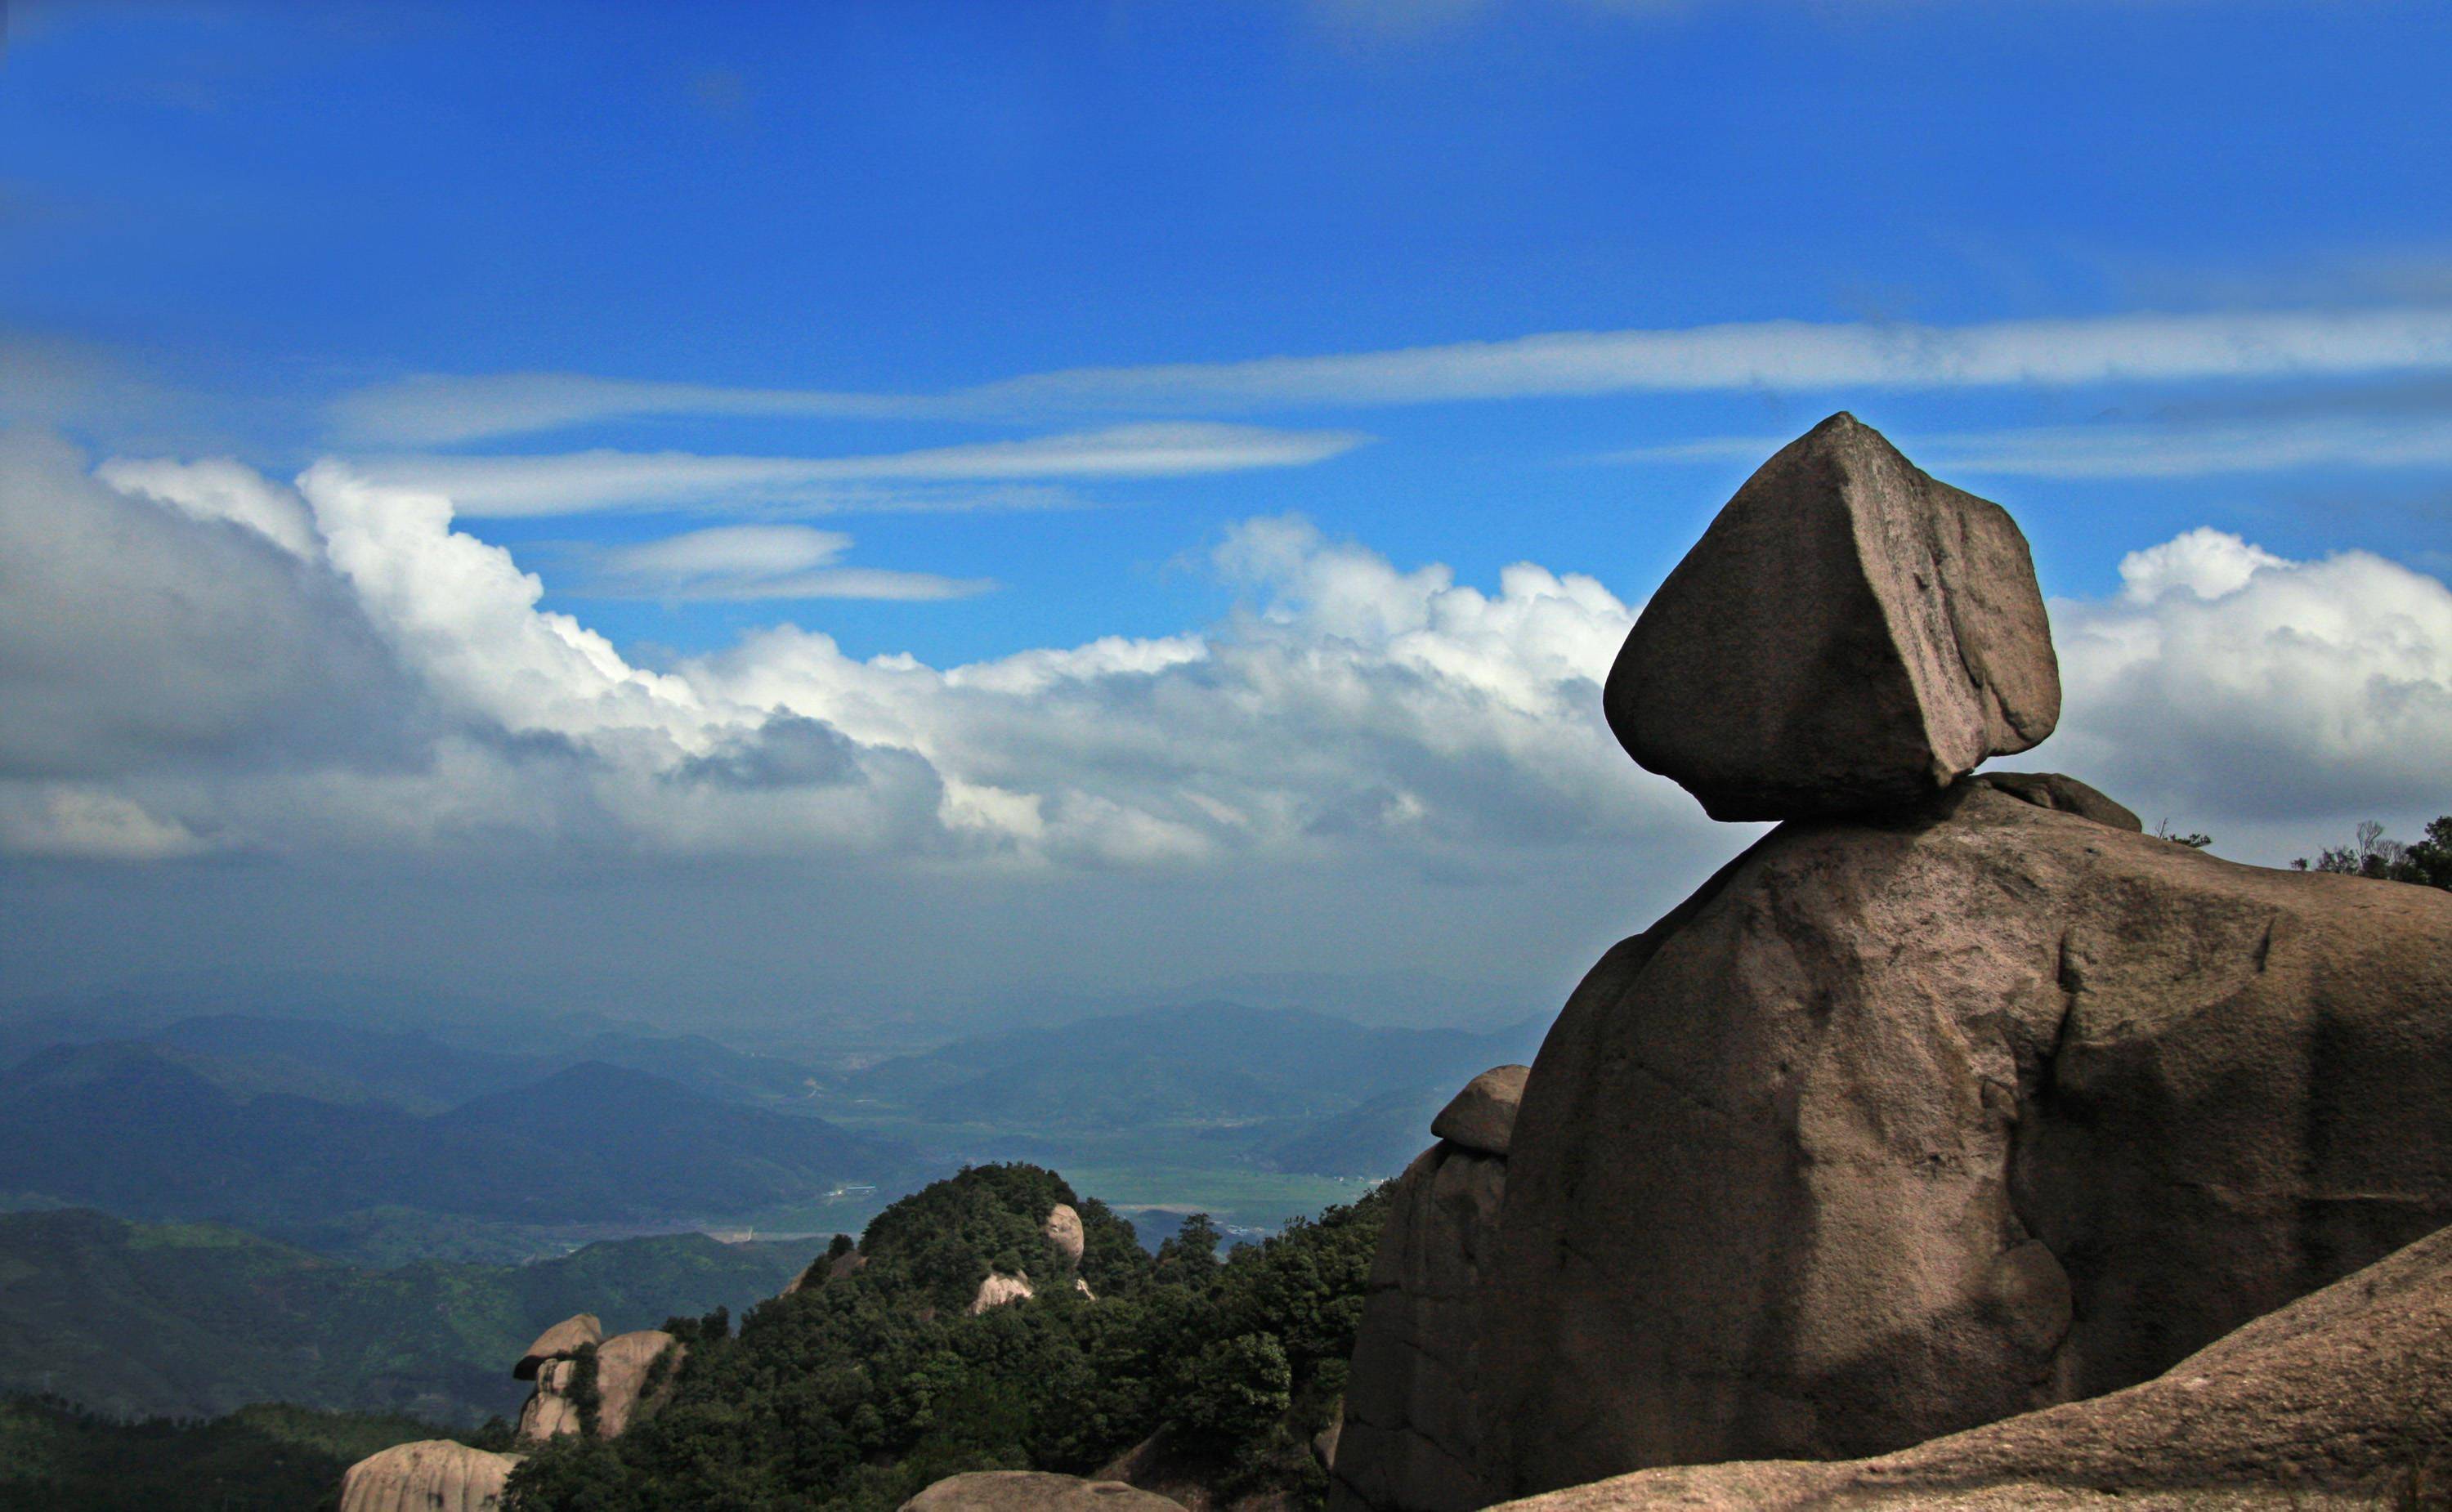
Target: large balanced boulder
{"x":2342,"y":1398}
{"x":1905,"y":1125}
{"x":1408,"y":1440}
{"x":1848,"y":635}
{"x":432,"y":1475}
{"x":1034,"y":1491}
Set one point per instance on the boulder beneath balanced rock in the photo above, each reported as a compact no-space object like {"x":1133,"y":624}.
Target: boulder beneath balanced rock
{"x":1482,"y":1117}
{"x":2342,"y":1398}
{"x":623,"y":1363}
{"x":1408,"y":1440}
{"x":552,"y":1410}
{"x":1850,"y":635}
{"x":560,"y":1342}
{"x":1899,"y":1128}
{"x":1034,"y":1491}
{"x":1063,"y":1231}
{"x":433,"y":1475}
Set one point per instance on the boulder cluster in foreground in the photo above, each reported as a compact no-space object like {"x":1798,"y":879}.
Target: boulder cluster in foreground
{"x":1957,"y":1100}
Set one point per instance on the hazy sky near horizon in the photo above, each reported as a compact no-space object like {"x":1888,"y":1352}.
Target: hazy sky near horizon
{"x":767,"y":504}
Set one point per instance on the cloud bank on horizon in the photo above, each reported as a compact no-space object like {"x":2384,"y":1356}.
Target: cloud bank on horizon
{"x":201,"y":660}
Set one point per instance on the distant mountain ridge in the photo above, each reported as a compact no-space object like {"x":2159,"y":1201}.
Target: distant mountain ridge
{"x":1210,"y":1062}
{"x":152,"y":1130}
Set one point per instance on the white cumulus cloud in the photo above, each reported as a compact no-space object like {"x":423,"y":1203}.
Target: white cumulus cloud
{"x":178,"y":676}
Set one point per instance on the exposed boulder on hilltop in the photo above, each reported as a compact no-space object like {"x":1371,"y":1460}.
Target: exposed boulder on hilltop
{"x":1063,"y":1231}
{"x":1848,"y":635}
{"x":2351,"y":1388}
{"x":432,"y":1475}
{"x":1407,"y":1436}
{"x":1034,"y":1491}
{"x":1898,"y":1128}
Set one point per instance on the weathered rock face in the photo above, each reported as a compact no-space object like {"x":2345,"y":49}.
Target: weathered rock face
{"x":550,"y":1412}
{"x":1407,"y":1440}
{"x":1063,"y":1231}
{"x":434,"y":1475}
{"x":622,"y":1364}
{"x":560,"y":1342}
{"x":2342,"y":1398}
{"x":1848,"y":636}
{"x":998,"y":1289}
{"x":1034,"y":1491}
{"x":1901,"y":1126}
{"x":1482,"y":1117}
{"x":616,"y":1370}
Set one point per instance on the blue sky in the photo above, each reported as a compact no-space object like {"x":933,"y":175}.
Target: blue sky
{"x":981,"y":331}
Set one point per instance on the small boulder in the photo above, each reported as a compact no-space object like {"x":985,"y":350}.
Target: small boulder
{"x":1063,"y":1231}
{"x":432,"y":1475}
{"x":2063,"y":795}
{"x":560,"y":1342}
{"x":1034,"y":1491}
{"x":1849,"y":635}
{"x":1482,"y":1116}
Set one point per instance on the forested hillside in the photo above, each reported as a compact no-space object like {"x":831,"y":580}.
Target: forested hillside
{"x":197,"y":1319}
{"x":149,"y":1132}
{"x":867,"y":1384}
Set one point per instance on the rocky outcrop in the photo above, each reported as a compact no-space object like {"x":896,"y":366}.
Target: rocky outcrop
{"x":1482,"y":1117}
{"x":607,"y":1381}
{"x":560,"y":1342}
{"x":825,"y":1268}
{"x":1897,"y":1128}
{"x":998,"y":1289}
{"x":1848,"y":635}
{"x":1407,"y":1437}
{"x":1064,"y":1232}
{"x":1034,"y":1491}
{"x":552,"y":1409}
{"x":433,"y":1475}
{"x":2342,"y":1398}
{"x":624,"y":1364}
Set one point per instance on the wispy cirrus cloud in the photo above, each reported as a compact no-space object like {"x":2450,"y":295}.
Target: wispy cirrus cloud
{"x":753,"y":561}
{"x":2136,"y":450}
{"x":575,"y":483}
{"x":1790,"y":355}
